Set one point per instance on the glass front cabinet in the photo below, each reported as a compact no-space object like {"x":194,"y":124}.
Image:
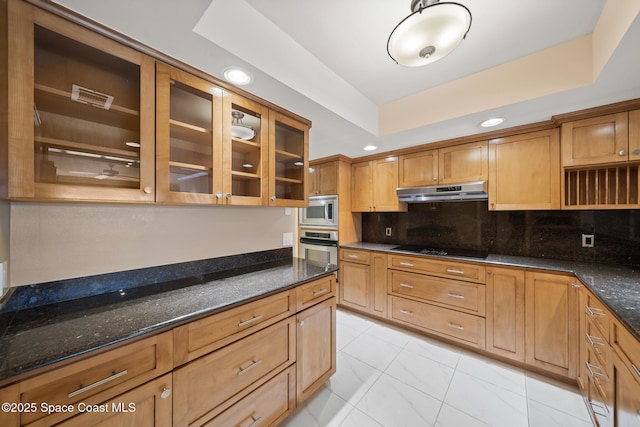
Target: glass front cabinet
{"x":81,"y":114}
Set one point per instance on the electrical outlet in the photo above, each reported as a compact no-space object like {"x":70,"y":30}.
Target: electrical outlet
{"x":387,"y":231}
{"x":287,"y":211}
{"x":287,"y":239}
{"x":588,"y":240}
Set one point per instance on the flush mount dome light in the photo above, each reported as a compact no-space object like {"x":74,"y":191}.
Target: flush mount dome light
{"x":237,"y":76}
{"x":431,"y":32}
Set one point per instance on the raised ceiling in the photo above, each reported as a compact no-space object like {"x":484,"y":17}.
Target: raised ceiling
{"x":524,"y":60}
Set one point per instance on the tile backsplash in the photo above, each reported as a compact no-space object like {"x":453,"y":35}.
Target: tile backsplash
{"x":543,"y":234}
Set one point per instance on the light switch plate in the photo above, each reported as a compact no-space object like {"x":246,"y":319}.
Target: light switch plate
{"x":287,"y":211}
{"x":287,"y":239}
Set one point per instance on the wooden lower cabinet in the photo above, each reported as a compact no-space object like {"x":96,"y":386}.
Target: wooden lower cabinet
{"x":316,"y":347}
{"x":505,"y":313}
{"x":363,"y":282}
{"x":626,"y":411}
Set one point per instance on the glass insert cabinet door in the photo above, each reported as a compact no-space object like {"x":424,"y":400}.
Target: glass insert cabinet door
{"x":189,"y":138}
{"x":91,"y":109}
{"x":289,"y":160}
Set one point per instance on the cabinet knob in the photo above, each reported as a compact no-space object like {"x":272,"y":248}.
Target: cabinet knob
{"x":622,"y":152}
{"x":228,"y":196}
{"x":636,"y":151}
{"x":147,"y":190}
{"x":435,"y":178}
{"x":218,"y":195}
{"x":273,"y":198}
{"x":166,"y":392}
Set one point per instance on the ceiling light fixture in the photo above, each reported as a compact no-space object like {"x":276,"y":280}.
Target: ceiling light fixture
{"x":370,"y":148}
{"x":430,"y":33}
{"x":238,"y":76}
{"x":494,"y":121}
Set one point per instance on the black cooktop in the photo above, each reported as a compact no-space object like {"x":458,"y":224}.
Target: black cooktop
{"x":428,"y":250}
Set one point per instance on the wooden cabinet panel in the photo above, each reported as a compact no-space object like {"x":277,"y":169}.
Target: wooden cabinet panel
{"x":626,"y":412}
{"x":463,"y":163}
{"x":206,"y":335}
{"x":464,"y":296}
{"x":323,"y":179}
{"x":373,"y":186}
{"x":98,"y":378}
{"x":461,"y":327}
{"x":268,"y":405}
{"x":354,"y":285}
{"x":442,"y":268}
{"x":314,"y":292}
{"x":149,"y":405}
{"x":378,"y":302}
{"x":505,"y":312}
{"x":634,"y":135}
{"x":524,"y":172}
{"x":626,"y":345}
{"x":202,"y":385}
{"x":316,"y":347}
{"x":603,"y":139}
{"x":551,"y":322}
{"x":418,"y":169}
{"x":354,"y":255}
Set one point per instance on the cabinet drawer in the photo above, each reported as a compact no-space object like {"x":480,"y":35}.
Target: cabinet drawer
{"x":98,"y":378}
{"x":204,"y":336}
{"x":596,"y":342}
{"x":353,"y":255}
{"x":596,"y":311}
{"x":202,"y":385}
{"x":627,"y":346}
{"x":469,"y":297}
{"x":266,"y":406}
{"x":442,"y":268}
{"x":314,"y":292}
{"x":452,"y":324}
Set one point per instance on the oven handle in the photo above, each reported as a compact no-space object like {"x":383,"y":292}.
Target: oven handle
{"x":318,"y":242}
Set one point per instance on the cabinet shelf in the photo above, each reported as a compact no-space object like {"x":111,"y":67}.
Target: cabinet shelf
{"x":289,"y":155}
{"x":87,"y":148}
{"x":243,"y":146}
{"x":602,"y":188}
{"x":189,"y":166}
{"x":289,"y":180}
{"x":189,"y":126}
{"x":244,"y":175}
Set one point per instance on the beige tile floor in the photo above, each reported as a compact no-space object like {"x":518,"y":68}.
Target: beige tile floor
{"x":390,"y":377}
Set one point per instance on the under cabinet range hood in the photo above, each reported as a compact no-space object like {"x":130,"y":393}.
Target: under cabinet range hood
{"x":444,"y":193}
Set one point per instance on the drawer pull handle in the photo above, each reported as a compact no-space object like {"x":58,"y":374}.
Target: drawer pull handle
{"x":456,"y":296}
{"x":407,"y":312}
{"x":592,"y":370}
{"x":450,"y":270}
{"x":250,"y":367}
{"x":353,"y":256}
{"x":247,"y":322}
{"x":320,"y":292}
{"x":454,"y":326}
{"x":97,"y":384}
{"x":406,"y":264}
{"x":594,"y":341}
{"x":255,"y":422}
{"x":594,"y":311}
{"x":406,"y":285}
{"x":636,"y":370}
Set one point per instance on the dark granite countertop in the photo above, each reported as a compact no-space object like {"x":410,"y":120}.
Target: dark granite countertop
{"x":36,"y":337}
{"x":617,"y":287}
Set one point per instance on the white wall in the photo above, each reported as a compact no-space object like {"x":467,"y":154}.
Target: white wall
{"x":53,"y":241}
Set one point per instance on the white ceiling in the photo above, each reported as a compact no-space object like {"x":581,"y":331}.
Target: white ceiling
{"x":327,"y":60}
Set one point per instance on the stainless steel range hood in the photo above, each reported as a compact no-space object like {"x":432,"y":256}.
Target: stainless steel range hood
{"x":444,"y":193}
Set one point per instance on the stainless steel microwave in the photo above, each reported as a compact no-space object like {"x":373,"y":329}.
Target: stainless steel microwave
{"x":322,"y":212}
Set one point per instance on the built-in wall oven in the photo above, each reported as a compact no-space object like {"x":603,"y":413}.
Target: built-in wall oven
{"x":322,"y":212}
{"x":319,"y":246}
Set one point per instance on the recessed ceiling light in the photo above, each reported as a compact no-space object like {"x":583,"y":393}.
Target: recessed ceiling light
{"x":238,"y":76}
{"x":370,"y":147}
{"x":494,"y":121}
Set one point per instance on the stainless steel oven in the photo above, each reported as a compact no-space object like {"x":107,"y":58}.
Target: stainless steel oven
{"x":322,"y":212}
{"x":319,"y":246}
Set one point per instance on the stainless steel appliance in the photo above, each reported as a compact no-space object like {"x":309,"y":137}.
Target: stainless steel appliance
{"x":444,"y":193}
{"x":322,"y":212}
{"x":319,"y":246}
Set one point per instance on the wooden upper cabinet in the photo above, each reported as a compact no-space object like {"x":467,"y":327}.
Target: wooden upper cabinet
{"x":449,"y":165}
{"x":81,"y":113}
{"x":189,"y":138}
{"x":323,"y":179}
{"x":288,"y":161}
{"x":599,"y":140}
{"x":463,"y":163}
{"x":373,"y":186}
{"x":634,"y":135}
{"x":524,"y":171}
{"x":418,"y":169}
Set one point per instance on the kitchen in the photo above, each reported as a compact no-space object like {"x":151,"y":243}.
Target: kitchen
{"x":71,"y":240}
